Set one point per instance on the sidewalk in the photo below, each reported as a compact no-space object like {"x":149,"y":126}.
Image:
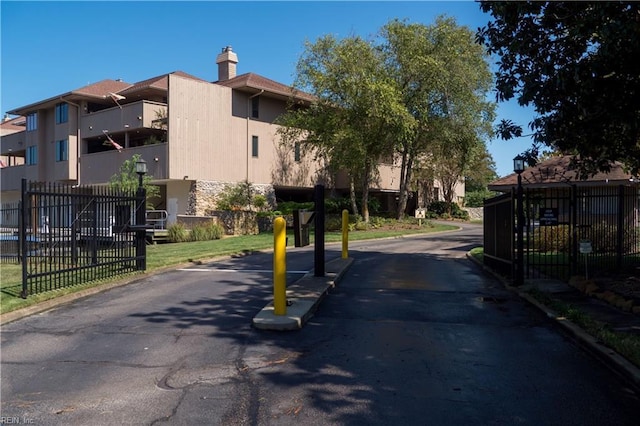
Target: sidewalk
{"x":602,"y":312}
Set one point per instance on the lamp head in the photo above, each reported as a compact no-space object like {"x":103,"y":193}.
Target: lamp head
{"x":518,"y":164}
{"x":141,"y":167}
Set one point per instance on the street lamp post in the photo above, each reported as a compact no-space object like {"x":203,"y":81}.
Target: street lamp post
{"x":518,"y":167}
{"x":141,"y":218}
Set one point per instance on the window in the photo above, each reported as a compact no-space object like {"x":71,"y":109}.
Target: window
{"x":254,"y":146}
{"x":32,"y":121}
{"x":296,"y":151}
{"x":32,"y":155}
{"x":62,"y":113}
{"x":62,"y":150}
{"x":255,"y":107}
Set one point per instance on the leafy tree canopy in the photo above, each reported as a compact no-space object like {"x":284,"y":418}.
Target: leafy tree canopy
{"x":577,"y":64}
{"x":127,"y":180}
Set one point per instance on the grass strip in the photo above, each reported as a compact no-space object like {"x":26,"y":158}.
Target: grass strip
{"x":162,"y":256}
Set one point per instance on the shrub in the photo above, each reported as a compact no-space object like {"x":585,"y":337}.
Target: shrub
{"x":476,"y":198}
{"x":444,"y":210}
{"x":552,"y":239}
{"x":214,"y":231}
{"x":198,"y":233}
{"x":177,"y":233}
{"x":287,"y":207}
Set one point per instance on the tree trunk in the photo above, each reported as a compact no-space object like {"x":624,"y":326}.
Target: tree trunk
{"x":352,"y":196}
{"x":405,"y":184}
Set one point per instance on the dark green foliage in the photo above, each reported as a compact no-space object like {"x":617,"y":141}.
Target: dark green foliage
{"x":287,"y":207}
{"x":442,"y":209}
{"x":548,"y":239}
{"x":476,"y":198}
{"x":576,"y":63}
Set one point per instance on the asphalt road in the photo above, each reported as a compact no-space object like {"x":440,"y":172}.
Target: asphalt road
{"x":415,"y":334}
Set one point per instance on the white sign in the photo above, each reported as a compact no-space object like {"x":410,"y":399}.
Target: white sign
{"x":585,"y":247}
{"x":421,"y":213}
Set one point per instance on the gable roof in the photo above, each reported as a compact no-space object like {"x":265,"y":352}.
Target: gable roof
{"x":98,"y":90}
{"x":556,"y":172}
{"x":12,"y":125}
{"x":160,"y":82}
{"x":254,"y":83}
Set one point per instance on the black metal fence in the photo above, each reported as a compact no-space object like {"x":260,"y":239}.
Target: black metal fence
{"x":9,"y":225}
{"x":569,"y":230}
{"x":499,"y":238}
{"x":68,"y":235}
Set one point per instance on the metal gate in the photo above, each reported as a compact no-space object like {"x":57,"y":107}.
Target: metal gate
{"x":567,"y":230}
{"x":74,"y":235}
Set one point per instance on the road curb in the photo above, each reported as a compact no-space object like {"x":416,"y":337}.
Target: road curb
{"x":607,"y":356}
{"x":304,"y":296}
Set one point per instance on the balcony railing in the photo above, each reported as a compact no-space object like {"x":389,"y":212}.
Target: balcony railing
{"x":98,"y":168}
{"x":11,"y":177}
{"x":137,"y":115}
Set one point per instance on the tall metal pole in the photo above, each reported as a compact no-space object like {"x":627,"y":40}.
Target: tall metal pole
{"x":520,"y":228}
{"x":141,"y":234}
{"x":319,"y":231}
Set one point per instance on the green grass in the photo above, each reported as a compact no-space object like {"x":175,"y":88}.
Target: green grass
{"x":163,"y":256}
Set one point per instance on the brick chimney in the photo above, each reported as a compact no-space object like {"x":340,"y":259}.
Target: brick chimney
{"x":226,"y":61}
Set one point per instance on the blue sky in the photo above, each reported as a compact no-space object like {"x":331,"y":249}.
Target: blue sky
{"x":49,"y":48}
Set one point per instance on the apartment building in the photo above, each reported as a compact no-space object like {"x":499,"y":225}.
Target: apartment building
{"x":195,"y":135}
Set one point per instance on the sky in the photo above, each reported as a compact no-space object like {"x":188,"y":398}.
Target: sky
{"x":49,"y":48}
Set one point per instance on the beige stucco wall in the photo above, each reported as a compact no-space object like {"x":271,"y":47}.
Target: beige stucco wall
{"x":201,"y":143}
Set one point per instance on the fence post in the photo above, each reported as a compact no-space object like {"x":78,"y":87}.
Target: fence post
{"x":319,"y":231}
{"x":573,"y":252}
{"x":141,"y":234}
{"x":620,"y":242}
{"x":22,"y":231}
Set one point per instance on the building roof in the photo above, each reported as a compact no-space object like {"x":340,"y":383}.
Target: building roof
{"x":99,"y":90}
{"x":12,"y":125}
{"x":556,"y":172}
{"x":255,"y":83}
{"x":160,"y":82}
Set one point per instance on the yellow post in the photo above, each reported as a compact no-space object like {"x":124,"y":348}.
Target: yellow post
{"x":280,"y":266}
{"x":345,"y":234}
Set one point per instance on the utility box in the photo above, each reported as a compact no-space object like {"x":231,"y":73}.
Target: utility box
{"x":301,"y":221}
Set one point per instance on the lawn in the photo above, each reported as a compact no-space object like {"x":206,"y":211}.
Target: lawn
{"x":167,"y":256}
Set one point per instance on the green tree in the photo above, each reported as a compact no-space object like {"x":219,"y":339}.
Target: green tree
{"x":576,"y":64}
{"x":358,"y":114}
{"x":444,"y":79}
{"x":127,"y":180}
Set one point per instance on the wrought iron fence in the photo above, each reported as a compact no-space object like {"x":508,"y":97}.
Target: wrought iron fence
{"x":568,"y":230}
{"x":68,"y":235}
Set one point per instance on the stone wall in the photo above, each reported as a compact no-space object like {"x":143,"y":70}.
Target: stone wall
{"x":203,"y":195}
{"x":475,"y":213}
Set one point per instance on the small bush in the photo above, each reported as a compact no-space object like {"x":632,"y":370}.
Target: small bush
{"x":287,"y":207}
{"x":177,"y":233}
{"x":444,"y":210}
{"x":552,"y":239}
{"x":198,"y":233}
{"x":214,"y":231}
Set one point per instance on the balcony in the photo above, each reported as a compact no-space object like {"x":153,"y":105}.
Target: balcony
{"x":97,"y":168}
{"x":13,"y":143}
{"x":137,"y":115}
{"x":11,"y":177}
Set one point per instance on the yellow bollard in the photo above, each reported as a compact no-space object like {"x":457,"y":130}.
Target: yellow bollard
{"x":345,"y":234}
{"x":280,"y":266}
